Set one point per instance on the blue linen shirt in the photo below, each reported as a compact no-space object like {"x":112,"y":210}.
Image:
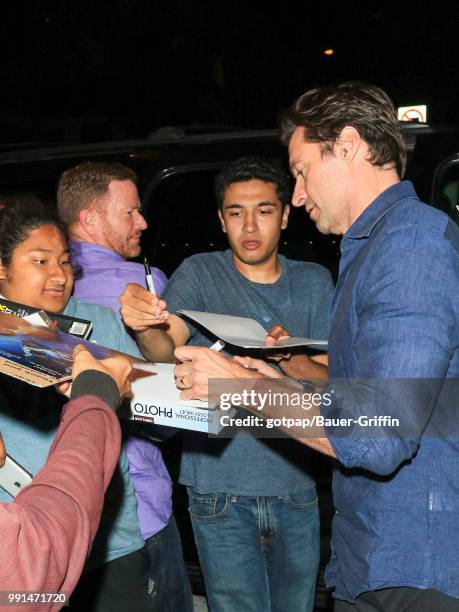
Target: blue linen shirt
{"x":394,"y":350}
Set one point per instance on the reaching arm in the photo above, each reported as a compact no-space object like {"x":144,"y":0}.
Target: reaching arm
{"x":47,"y":532}
{"x":200,"y":364}
{"x":158,"y":343}
{"x":303,"y":366}
{"x":157,"y":332}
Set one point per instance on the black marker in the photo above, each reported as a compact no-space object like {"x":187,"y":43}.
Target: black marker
{"x":149,"y":277}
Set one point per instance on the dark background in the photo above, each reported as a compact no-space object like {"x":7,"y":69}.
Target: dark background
{"x":77,"y":70}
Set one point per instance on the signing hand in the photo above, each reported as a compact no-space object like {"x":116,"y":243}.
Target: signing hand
{"x":141,"y":309}
{"x":199,"y":364}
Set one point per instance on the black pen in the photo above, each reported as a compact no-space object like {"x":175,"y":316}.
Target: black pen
{"x":149,"y":277}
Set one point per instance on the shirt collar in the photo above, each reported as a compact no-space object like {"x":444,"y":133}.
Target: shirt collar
{"x":89,"y":249}
{"x":372,"y":215}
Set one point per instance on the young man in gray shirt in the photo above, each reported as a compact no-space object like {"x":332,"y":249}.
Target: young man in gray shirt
{"x":253,"y":502}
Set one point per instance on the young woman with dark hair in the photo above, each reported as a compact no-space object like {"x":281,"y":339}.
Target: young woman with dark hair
{"x":35,"y":270}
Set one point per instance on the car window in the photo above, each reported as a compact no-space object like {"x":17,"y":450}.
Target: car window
{"x":182,"y":218}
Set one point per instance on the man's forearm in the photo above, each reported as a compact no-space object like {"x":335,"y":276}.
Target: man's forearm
{"x":156,"y":345}
{"x":255,"y":389}
{"x":295,"y":420}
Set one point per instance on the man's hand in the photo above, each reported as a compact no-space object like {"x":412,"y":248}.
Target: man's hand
{"x":199,"y":364}
{"x":277,"y":332}
{"x":259,"y":365}
{"x":2,"y":452}
{"x":296,"y":365}
{"x":118,"y":367}
{"x":141,"y":309}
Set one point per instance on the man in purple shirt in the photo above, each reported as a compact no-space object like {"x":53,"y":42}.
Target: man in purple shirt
{"x":100,"y":204}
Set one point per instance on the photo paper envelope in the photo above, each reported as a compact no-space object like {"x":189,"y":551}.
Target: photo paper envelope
{"x":157,"y":400}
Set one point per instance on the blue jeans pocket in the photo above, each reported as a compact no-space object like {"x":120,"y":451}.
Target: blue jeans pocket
{"x":303,"y":499}
{"x":207,"y":507}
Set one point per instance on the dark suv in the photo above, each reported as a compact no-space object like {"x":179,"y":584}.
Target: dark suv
{"x":176,"y":174}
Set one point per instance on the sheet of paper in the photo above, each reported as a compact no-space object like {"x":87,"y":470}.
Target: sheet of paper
{"x":243,"y":332}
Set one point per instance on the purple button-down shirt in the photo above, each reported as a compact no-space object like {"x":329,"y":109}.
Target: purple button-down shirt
{"x":101,"y":276}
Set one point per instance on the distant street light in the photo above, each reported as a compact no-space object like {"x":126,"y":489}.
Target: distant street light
{"x":329,"y":52}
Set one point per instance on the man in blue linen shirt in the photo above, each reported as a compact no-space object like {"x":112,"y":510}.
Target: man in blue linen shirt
{"x":393,"y":351}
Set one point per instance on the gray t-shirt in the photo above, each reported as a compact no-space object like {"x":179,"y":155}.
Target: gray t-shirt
{"x":299,"y":301}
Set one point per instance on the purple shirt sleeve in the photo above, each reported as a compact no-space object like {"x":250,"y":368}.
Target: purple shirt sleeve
{"x":160,"y":280}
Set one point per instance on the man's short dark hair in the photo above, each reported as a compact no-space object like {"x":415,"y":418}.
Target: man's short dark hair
{"x":325,"y":111}
{"x":251,"y":169}
{"x":81,"y":185}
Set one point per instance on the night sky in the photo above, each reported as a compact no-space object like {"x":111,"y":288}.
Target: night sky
{"x":126,"y":68}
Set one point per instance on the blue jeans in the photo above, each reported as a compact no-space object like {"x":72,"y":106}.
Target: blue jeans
{"x":169,"y":585}
{"x":257,"y":554}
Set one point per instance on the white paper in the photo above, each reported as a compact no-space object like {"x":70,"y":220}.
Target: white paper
{"x":243,"y":332}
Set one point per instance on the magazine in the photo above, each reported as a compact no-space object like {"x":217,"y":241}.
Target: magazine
{"x":38,"y":355}
{"x":81,"y":328}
